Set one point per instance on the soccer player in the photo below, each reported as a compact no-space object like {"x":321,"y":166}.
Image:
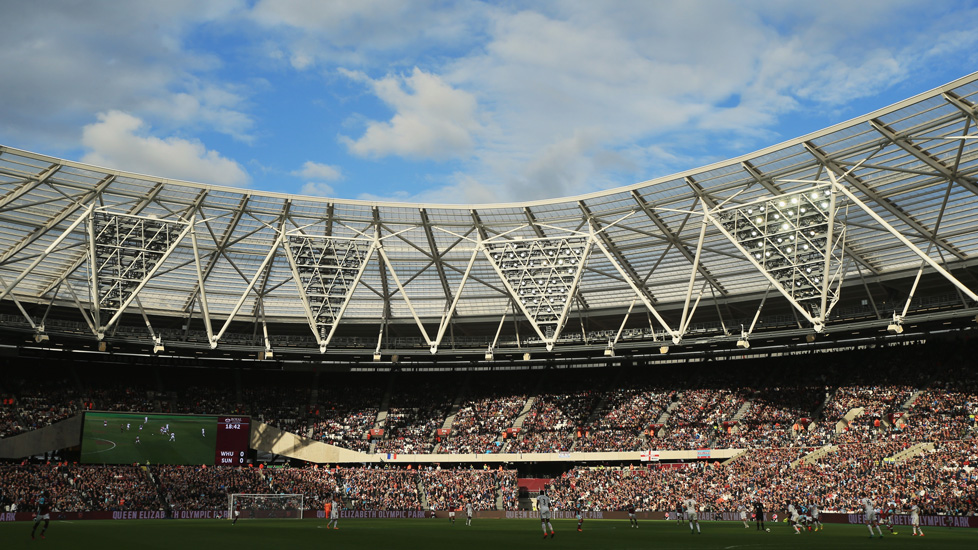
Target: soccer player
{"x":915,"y":520}
{"x":173,"y":436}
{"x":679,"y":512}
{"x":795,"y":518}
{"x":815,"y":521}
{"x":202,"y":434}
{"x":137,"y":440}
{"x":334,"y":514}
{"x":869,"y":515}
{"x":885,"y":516}
{"x":759,"y":515}
{"x":543,"y":506}
{"x":237,"y":512}
{"x":580,"y":519}
{"x":105,"y":423}
{"x":327,"y":508}
{"x":145,"y":420}
{"x":451,"y":514}
{"x":743,"y":515}
{"x":468,"y":513}
{"x":692,"y":516}
{"x":42,"y":513}
{"x":632,"y":520}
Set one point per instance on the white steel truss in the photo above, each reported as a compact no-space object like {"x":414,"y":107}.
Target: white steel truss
{"x":327,"y":271}
{"x":542,"y":277}
{"x":796,"y":242}
{"x":903,"y":185}
{"x":124,"y":253}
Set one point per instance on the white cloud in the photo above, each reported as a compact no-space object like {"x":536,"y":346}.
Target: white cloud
{"x":365,"y":31}
{"x":317,"y":175}
{"x":432,"y":120}
{"x":317,"y":189}
{"x":118,"y":140}
{"x":63,"y":61}
{"x":316,"y":171}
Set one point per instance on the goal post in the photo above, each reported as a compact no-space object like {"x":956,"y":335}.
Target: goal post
{"x":265,"y":506}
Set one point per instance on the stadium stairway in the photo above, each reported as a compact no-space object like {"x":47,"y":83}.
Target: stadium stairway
{"x":422,"y":494}
{"x":911,"y":452}
{"x":734,"y":457}
{"x":600,"y":408}
{"x":841,"y":425}
{"x":453,"y":412}
{"x":817,"y":413}
{"x":667,"y":414}
{"x":742,"y":410}
{"x":385,"y":403}
{"x":813,"y":456}
{"x":911,"y":400}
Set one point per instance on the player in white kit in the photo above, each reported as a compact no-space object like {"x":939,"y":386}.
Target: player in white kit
{"x":869,"y":515}
{"x":468,"y":513}
{"x":795,"y":518}
{"x":543,"y":506}
{"x":692,"y":514}
{"x":915,"y":520}
{"x":743,"y":515}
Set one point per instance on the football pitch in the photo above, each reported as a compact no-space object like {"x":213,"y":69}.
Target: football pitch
{"x":436,"y":534}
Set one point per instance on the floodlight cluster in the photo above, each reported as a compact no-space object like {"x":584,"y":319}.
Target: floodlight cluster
{"x":126,"y":249}
{"x":542,"y":274}
{"x":327,"y":269}
{"x":788,"y":237}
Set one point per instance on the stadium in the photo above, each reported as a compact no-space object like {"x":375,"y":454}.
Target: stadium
{"x":766,"y":329}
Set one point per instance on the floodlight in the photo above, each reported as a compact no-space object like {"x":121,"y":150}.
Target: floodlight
{"x":743,"y":344}
{"x":102,"y":346}
{"x":377,"y":357}
{"x":810,"y":338}
{"x":664,"y":350}
{"x":489,"y":354}
{"x":158,"y":348}
{"x":40,"y":337}
{"x":609,"y":351}
{"x":895,"y":329}
{"x":526,"y":356}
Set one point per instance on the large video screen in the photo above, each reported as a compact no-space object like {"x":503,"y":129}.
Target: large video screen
{"x":127,"y":438}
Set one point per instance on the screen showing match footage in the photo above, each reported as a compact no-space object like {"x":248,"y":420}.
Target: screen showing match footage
{"x":128,"y":438}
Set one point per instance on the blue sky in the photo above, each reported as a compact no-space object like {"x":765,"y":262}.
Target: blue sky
{"x":455,"y":102}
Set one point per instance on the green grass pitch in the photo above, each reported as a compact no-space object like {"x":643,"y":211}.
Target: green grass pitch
{"x":114,"y":444}
{"x":436,"y":534}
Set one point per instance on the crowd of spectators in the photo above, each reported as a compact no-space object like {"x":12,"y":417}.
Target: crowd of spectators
{"x":589,"y":410}
{"x":419,"y":406}
{"x":451,"y":489}
{"x":938,"y":481}
{"x":77,"y":488}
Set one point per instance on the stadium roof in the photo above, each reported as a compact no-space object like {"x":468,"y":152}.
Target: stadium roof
{"x":872,"y":222}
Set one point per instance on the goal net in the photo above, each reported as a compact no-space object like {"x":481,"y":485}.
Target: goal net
{"x":248,"y":506}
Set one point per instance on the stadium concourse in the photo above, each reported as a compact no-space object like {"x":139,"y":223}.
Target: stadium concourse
{"x":898,"y":422}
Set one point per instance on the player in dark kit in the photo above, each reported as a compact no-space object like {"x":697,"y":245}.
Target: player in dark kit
{"x":42,"y":512}
{"x":679,"y":513}
{"x":759,"y":515}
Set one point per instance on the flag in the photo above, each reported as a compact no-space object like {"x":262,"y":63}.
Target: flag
{"x":650,"y":456}
{"x":391,"y":456}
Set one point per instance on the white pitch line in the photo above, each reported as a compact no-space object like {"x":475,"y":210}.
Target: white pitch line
{"x":103,"y":450}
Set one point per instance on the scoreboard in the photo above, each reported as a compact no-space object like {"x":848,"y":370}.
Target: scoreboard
{"x":233,"y":438}
{"x":128,"y":438}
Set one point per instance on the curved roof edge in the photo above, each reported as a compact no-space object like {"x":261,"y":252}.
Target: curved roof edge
{"x":637,"y":185}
